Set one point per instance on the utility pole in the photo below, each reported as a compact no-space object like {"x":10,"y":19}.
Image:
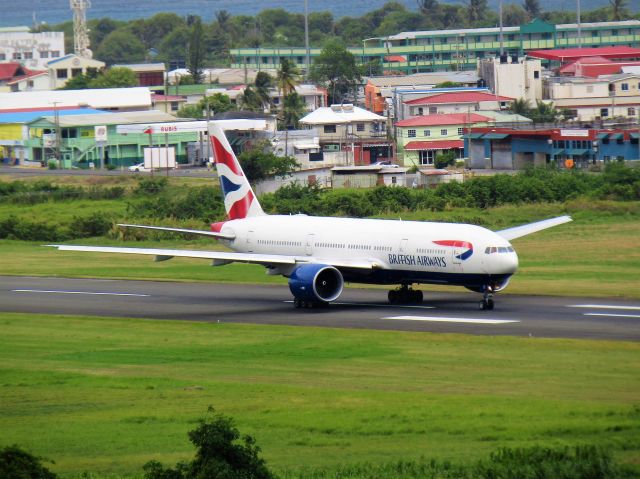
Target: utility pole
{"x":579,"y":26}
{"x":306,"y":36}
{"x":56,"y":120}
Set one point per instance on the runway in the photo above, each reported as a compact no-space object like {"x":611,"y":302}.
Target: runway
{"x":529,"y":316}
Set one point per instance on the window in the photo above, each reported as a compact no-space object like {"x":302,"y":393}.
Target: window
{"x":624,"y":87}
{"x":61,"y":74}
{"x":17,"y":56}
{"x":75,"y":72}
{"x":359,"y":126}
{"x":433,"y":110}
{"x":426,"y":157}
{"x":604,"y":112}
{"x":444,"y":132}
{"x":3,"y":57}
{"x":329,"y":128}
{"x":28,"y":55}
{"x":420,"y":111}
{"x":44,"y":54}
{"x":29,"y":83}
{"x":460,"y":131}
{"x":589,"y":88}
{"x":536,"y":74}
{"x":631,"y":111}
{"x":55,"y":53}
{"x":426,"y":133}
{"x":411,"y":133}
{"x":175,"y":106}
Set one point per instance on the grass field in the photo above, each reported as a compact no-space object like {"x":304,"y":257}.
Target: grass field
{"x":107,"y":395}
{"x":595,"y":255}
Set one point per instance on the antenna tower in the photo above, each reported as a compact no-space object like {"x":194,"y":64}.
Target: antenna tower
{"x":80,"y":30}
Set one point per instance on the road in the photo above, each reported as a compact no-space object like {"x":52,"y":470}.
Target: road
{"x":529,"y":316}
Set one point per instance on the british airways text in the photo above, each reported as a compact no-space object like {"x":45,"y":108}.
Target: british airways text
{"x":415,"y":260}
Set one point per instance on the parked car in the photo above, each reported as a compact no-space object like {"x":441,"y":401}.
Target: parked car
{"x":386,"y":164}
{"x":138,"y":167}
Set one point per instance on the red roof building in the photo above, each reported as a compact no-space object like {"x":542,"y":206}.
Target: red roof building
{"x":12,"y":71}
{"x":593,"y":67}
{"x":458,"y":97}
{"x":564,"y":55}
{"x":445,"y":119}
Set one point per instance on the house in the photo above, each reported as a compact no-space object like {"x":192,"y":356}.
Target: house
{"x":593,"y":67}
{"x":515,"y":149}
{"x":12,"y":72}
{"x":520,"y":78}
{"x":167,"y":103}
{"x":349,"y":135}
{"x":593,"y":99}
{"x":367,"y":176}
{"x":421,"y":138}
{"x":62,"y":69}
{"x":314,"y":97}
{"x":456,"y":102}
{"x":148,"y":74}
{"x":33,"y":81}
{"x":303,"y":145}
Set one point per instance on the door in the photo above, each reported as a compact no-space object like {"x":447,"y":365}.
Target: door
{"x":308,"y":247}
{"x":250,"y":242}
{"x":403,"y":246}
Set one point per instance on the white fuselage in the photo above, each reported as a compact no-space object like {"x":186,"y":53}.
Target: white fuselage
{"x":404,"y":251}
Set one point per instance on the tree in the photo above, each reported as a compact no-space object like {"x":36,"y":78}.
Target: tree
{"x":216,"y":103}
{"x":174,"y":46}
{"x":544,"y":113}
{"x":532,"y":7}
{"x":263,"y":83}
{"x":514,"y":15}
{"x":121,"y":46}
{"x":82,"y":81}
{"x":287,"y":77}
{"x":258,"y":165}
{"x":195,"y":60}
{"x":476,"y":11}
{"x":293,"y":110}
{"x":336,"y":67}
{"x":118,"y":77}
{"x":16,"y":463}
{"x":520,"y":106}
{"x":221,"y":453}
{"x":618,"y":10}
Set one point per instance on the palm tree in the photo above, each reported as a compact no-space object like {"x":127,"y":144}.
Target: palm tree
{"x":262,"y":84}
{"x":618,"y":10}
{"x":288,"y":77}
{"x":521,"y":106}
{"x":293,"y":110}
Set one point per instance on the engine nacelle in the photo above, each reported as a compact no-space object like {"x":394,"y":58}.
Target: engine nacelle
{"x":316,"y":283}
{"x":494,"y":287}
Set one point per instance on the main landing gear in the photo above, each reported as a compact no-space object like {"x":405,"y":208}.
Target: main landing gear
{"x":405,"y":295}
{"x":487,"y":299}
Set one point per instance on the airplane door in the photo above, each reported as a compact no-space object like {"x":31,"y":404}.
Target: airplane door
{"x":456,"y":252}
{"x":308,"y":247}
{"x":250,"y":242}
{"x":403,"y":246}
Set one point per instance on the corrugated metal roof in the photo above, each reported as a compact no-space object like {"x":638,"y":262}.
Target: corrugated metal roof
{"x":567,"y":54}
{"x":138,"y":97}
{"x":121,"y":118}
{"x":445,"y":119}
{"x":29,"y":116}
{"x":458,"y":97}
{"x":340,"y":114}
{"x":434,"y":145}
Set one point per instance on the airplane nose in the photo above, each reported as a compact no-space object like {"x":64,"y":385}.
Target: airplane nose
{"x":510,"y":263}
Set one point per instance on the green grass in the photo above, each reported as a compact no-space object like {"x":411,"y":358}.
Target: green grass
{"x":107,"y":395}
{"x":595,"y":255}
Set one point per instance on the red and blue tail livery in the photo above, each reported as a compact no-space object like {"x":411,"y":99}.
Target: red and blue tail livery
{"x":239,"y":200}
{"x":465,"y":245}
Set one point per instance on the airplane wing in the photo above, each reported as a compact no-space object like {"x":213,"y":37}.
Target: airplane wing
{"x":518,"y":231}
{"x":182,"y":230}
{"x":221,"y":257}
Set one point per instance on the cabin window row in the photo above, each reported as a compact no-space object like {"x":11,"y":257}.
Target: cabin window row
{"x":429,"y":251}
{"x":279,"y":242}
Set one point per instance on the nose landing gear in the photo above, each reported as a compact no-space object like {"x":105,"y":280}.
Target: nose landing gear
{"x":405,"y":295}
{"x":487,"y":299}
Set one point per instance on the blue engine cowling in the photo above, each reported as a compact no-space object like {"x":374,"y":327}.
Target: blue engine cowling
{"x":316,"y":283}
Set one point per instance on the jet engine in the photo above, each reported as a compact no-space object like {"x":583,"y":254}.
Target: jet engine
{"x":495,"y":287}
{"x":315,"y":283}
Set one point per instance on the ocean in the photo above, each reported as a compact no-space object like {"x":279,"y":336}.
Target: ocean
{"x":57,"y":11}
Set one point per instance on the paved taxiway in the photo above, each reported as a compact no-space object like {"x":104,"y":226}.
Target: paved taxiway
{"x":358,"y":308}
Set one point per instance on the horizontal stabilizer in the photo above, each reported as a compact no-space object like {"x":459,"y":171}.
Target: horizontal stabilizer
{"x":518,"y":231}
{"x":212,"y":234}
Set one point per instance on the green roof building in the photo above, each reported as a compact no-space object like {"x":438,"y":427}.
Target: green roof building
{"x":438,"y":50}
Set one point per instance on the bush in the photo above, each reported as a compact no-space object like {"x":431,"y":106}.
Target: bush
{"x":151,"y":185}
{"x":19,"y":464}
{"x":52,"y":165}
{"x":220,"y":453}
{"x":96,"y":224}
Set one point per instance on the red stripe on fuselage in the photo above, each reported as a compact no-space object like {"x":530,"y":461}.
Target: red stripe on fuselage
{"x":455,"y":243}
{"x":223,"y":156}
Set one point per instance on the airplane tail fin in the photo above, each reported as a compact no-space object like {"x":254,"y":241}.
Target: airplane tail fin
{"x":239,"y":199}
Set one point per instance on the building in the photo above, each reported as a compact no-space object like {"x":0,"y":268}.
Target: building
{"x":367,"y":176}
{"x":557,"y":57}
{"x":112,"y":99}
{"x":594,"y":99}
{"x":79,"y":148}
{"x":303,"y":145}
{"x":520,"y":78}
{"x":34,"y":81}
{"x":349,"y":135}
{"x":13,"y":73}
{"x":32,"y":50}
{"x":516,"y":149}
{"x":62,"y":69}
{"x":148,"y":74}
{"x":442,"y":50}
{"x":314,"y":97}
{"x":379,"y":92}
{"x":456,"y":102}
{"x":14,"y":132}
{"x":421,"y":138}
{"x":167,"y":103}
{"x":593,"y":67}
{"x":220,"y":76}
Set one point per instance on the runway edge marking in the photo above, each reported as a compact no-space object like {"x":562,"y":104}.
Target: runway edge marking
{"x":90,"y":293}
{"x":444,"y":319}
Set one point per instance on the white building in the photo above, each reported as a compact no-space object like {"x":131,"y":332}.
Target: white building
{"x":63,"y":69}
{"x":519,"y":79}
{"x":33,"y":50}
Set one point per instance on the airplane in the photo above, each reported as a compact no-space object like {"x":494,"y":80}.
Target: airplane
{"x":319,"y":255}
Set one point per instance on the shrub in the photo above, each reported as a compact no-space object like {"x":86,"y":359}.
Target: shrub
{"x":96,"y":224}
{"x":151,"y":185}
{"x":52,"y":165}
{"x":16,"y":463}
